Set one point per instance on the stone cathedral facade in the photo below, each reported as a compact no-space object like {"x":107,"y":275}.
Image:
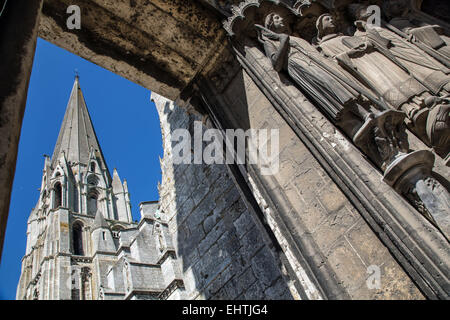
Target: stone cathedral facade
{"x":82,"y":243}
{"x":359,"y":91}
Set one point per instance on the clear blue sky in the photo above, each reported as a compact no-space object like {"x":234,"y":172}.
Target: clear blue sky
{"x":126,"y":123}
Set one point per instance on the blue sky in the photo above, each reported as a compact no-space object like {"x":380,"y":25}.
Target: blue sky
{"x":126,"y":123}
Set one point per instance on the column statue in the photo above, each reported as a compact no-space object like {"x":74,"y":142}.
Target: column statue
{"x":336,"y":91}
{"x":432,"y":74}
{"x":373,"y":63}
{"x":400,"y":18}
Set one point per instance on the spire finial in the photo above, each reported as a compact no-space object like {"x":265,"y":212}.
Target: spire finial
{"x":77,"y":76}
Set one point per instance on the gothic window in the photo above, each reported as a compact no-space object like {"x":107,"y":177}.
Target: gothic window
{"x":77,"y":235}
{"x":92,"y":166}
{"x":116,"y":215}
{"x":92,"y":202}
{"x":57,"y":195}
{"x":116,"y":234}
{"x":75,"y":199}
{"x":116,"y":229}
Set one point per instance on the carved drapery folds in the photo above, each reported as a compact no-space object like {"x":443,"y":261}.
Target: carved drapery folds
{"x":371,"y":82}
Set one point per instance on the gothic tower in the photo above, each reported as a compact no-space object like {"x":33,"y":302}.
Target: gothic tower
{"x":82,"y":243}
{"x":78,"y":215}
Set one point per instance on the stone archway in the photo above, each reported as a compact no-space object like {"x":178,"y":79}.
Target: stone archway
{"x":178,"y":49}
{"x":160,"y":45}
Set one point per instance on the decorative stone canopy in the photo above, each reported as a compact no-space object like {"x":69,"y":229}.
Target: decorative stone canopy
{"x":249,"y":12}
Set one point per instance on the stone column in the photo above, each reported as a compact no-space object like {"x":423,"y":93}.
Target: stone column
{"x":411,"y":175}
{"x":18,"y":32}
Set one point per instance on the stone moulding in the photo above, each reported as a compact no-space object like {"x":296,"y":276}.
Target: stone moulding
{"x":239,"y":12}
{"x":174,"y":285}
{"x":81,"y":259}
{"x":301,"y":5}
{"x":143,"y":293}
{"x":419,"y":248}
{"x":170,"y":252}
{"x":291,"y":256}
{"x":157,"y":294}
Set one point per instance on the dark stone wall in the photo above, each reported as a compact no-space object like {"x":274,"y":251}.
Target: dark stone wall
{"x":225,"y":251}
{"x":336,"y":241}
{"x":18,"y":31}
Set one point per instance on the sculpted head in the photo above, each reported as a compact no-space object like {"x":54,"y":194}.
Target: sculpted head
{"x":276,"y":23}
{"x":325,"y":25}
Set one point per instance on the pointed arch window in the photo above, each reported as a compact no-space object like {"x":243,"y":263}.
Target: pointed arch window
{"x":92,"y":202}
{"x":77,"y":237}
{"x":92,"y":166}
{"x":57,"y":200}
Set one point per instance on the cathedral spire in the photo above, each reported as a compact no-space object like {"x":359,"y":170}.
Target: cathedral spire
{"x":77,"y":135}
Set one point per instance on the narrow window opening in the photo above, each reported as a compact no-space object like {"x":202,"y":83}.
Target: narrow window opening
{"x":77,"y":240}
{"x":58,"y":195}
{"x":92,"y":202}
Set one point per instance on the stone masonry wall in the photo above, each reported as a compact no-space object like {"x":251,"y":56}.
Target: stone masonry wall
{"x":328,"y":230}
{"x":225,"y":252}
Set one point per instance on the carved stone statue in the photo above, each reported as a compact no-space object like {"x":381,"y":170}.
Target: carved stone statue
{"x":423,"y":68}
{"x":431,"y":73}
{"x":382,"y":136}
{"x":334,"y":89}
{"x":410,"y":173}
{"x":372,"y":62}
{"x":399,"y":15}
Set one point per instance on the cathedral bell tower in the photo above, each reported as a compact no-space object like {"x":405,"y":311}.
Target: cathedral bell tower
{"x":80,"y":211}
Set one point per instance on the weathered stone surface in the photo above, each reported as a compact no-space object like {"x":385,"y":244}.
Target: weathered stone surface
{"x":160,"y":45}
{"x":17,"y":47}
{"x":324,"y":219}
{"x":212,"y":224}
{"x":318,"y":209}
{"x":85,"y":245}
